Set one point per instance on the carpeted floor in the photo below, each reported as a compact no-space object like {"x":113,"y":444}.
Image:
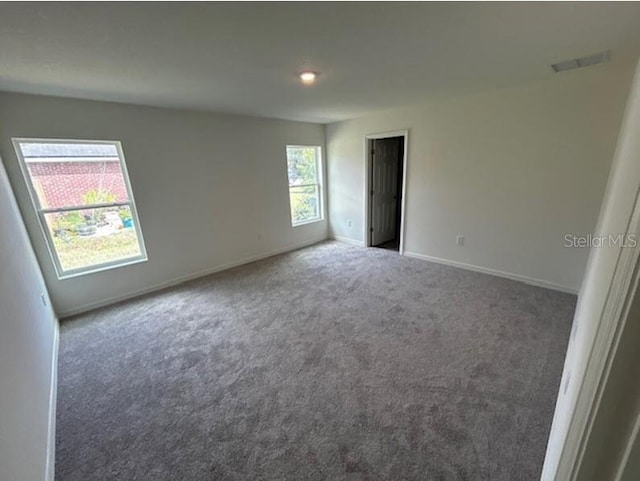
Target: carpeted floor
{"x":329,"y":363}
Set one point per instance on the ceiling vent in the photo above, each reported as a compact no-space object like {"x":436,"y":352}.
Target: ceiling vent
{"x":597,"y":58}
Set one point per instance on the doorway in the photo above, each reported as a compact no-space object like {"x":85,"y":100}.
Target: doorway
{"x":386,"y":166}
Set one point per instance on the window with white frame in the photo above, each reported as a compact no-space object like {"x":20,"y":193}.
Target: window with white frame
{"x":305,"y":183}
{"x":82,"y":195}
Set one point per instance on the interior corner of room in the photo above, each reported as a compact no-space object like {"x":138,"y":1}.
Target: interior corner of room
{"x":264,"y":266}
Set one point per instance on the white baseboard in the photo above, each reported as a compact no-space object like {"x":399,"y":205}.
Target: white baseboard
{"x":53,"y":390}
{"x":189,"y":277}
{"x":348,"y":240}
{"x":494,"y":272}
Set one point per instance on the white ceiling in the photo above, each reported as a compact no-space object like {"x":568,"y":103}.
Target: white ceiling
{"x":244,"y":57}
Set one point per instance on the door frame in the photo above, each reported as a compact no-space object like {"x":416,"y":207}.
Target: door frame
{"x":625,"y":282}
{"x":368,"y":164}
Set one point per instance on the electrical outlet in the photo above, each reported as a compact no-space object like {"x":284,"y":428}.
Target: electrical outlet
{"x":460,"y":240}
{"x":349,"y":223}
{"x":44,"y":299}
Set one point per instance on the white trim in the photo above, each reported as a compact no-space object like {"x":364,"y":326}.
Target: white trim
{"x":612,"y":322}
{"x":367,"y":183}
{"x":494,"y":272}
{"x":348,"y":240}
{"x":189,"y":277}
{"x":107,"y":266}
{"x":386,"y":135}
{"x":633,"y":438}
{"x":46,"y":160}
{"x":55,"y":210}
{"x":50,"y":140}
{"x":53,"y":391}
{"x":308,"y":221}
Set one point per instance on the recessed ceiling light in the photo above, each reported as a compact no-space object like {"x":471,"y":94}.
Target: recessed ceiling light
{"x":308,"y":77}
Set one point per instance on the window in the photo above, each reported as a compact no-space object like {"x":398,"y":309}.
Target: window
{"x":305,"y":187}
{"x":81,"y":193}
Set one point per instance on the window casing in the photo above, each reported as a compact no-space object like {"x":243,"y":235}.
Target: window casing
{"x":304,"y":169}
{"x":82,"y":196}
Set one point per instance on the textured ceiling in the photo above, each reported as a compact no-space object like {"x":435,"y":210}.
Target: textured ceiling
{"x":244,"y":57}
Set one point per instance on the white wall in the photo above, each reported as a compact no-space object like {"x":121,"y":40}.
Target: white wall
{"x":512,"y":170}
{"x":28,"y":335}
{"x":572,"y":404}
{"x":211,"y":189}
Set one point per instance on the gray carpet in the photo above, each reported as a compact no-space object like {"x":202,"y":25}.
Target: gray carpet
{"x":333,"y":362}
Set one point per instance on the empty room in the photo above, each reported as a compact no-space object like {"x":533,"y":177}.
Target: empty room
{"x":350,"y":241}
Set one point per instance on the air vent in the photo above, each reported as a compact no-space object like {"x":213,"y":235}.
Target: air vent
{"x":597,"y":58}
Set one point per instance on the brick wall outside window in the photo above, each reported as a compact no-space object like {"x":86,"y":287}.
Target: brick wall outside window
{"x":61,"y":184}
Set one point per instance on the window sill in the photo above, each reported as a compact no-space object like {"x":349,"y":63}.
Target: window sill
{"x":306,"y":222}
{"x":101,"y":268}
